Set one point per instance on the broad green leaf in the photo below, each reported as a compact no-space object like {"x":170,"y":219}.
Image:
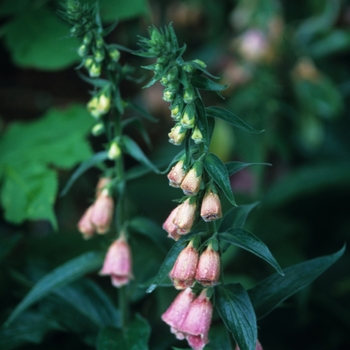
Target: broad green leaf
{"x":230,"y":118}
{"x":90,"y":301}
{"x":204,"y":83}
{"x":38,"y":38}
{"x":246,"y":240}
{"x":29,"y":193}
{"x":121,"y":10}
{"x":168,"y":263}
{"x":234,"y":167}
{"x":7,"y":244}
{"x":135,"y":151}
{"x":62,"y":275}
{"x":273,"y":290}
{"x":217,"y":170}
{"x":236,"y":216}
{"x":151,"y":230}
{"x":84,"y":166}
{"x":134,"y":337}
{"x":235,"y":309}
{"x":27,"y":153}
{"x":219,"y":338}
{"x":31,"y":327}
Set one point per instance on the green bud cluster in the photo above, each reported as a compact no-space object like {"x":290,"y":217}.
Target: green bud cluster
{"x":175,"y":75}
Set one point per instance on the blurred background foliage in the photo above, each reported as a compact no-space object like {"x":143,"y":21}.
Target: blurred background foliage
{"x":287,"y":66}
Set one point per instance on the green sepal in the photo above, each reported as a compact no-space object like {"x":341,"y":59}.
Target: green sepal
{"x":246,"y":240}
{"x":235,"y":309}
{"x":273,"y":290}
{"x":217,"y":170}
{"x":230,"y":118}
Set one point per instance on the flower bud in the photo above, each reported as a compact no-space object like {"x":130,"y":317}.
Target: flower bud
{"x":100,"y":104}
{"x":208,"y":268}
{"x":187,"y":68}
{"x":177,"y":311}
{"x":168,"y":95}
{"x":170,"y":227}
{"x":102,"y":214}
{"x":184,"y":269}
{"x":87,"y":38}
{"x":172,"y":74}
{"x":85,"y":226}
{"x":83,"y":50}
{"x":189,"y":94}
{"x":177,"y":174}
{"x":176,"y":113}
{"x":185,"y":216}
{"x":97,"y":129}
{"x":197,"y":322}
{"x":211,"y":207}
{"x":103,"y":184}
{"x":95,"y":69}
{"x":192,"y":181}
{"x":201,"y":63}
{"x":177,"y":135}
{"x":88,"y":62}
{"x":118,"y":262}
{"x":99,"y":55}
{"x":197,"y":136}
{"x":99,"y":41}
{"x":114,"y":54}
{"x":189,"y":116}
{"x":114,"y":151}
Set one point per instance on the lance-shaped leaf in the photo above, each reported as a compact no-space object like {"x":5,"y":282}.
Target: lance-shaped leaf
{"x":236,"y":216}
{"x":204,"y":83}
{"x":235,"y":309}
{"x":133,"y":149}
{"x":273,"y":290}
{"x":234,"y":167}
{"x":217,"y":170}
{"x":142,"y":112}
{"x":62,"y":275}
{"x":84,"y":166}
{"x":246,"y":240}
{"x":231,"y":118}
{"x":7,"y":244}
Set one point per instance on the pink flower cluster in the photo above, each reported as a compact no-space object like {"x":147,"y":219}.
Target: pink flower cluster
{"x":190,"y":267}
{"x":98,"y":216}
{"x":189,"y":317}
{"x":181,"y":219}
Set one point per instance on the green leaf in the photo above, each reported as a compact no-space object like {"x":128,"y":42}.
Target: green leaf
{"x":134,"y":337}
{"x":151,"y":230}
{"x":62,"y":275}
{"x":234,"y":167}
{"x":135,"y":151}
{"x":204,"y":83}
{"x":7,"y":244}
{"x":230,"y":118}
{"x":29,"y":193}
{"x":219,"y":338}
{"x":141,"y":111}
{"x":139,"y":126}
{"x":235,"y":309}
{"x":84,"y":166}
{"x":273,"y":290}
{"x":217,"y":170}
{"x":236,"y":216}
{"x":122,"y":10}
{"x":27,"y":153}
{"x":168,"y":263}
{"x":246,"y":240}
{"x":202,"y":122}
{"x":38,"y":38}
{"x":31,"y":327}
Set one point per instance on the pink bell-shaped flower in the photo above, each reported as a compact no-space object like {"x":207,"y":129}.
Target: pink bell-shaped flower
{"x":102,"y":213}
{"x":118,"y":262}
{"x":169,"y":225}
{"x":85,"y":226}
{"x":184,"y":269}
{"x":185,"y":216}
{"x":208,"y":268}
{"x":177,"y":174}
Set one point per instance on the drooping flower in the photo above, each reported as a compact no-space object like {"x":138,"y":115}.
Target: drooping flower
{"x":192,"y":182}
{"x":185,"y":217}
{"x":197,"y":322}
{"x":85,"y":226}
{"x":211,"y":207}
{"x":184,"y":269}
{"x":102,"y":214}
{"x":118,"y":262}
{"x":177,"y":174}
{"x":208,"y":268}
{"x":169,"y":225}
{"x":177,"y":135}
{"x":175,"y":315}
